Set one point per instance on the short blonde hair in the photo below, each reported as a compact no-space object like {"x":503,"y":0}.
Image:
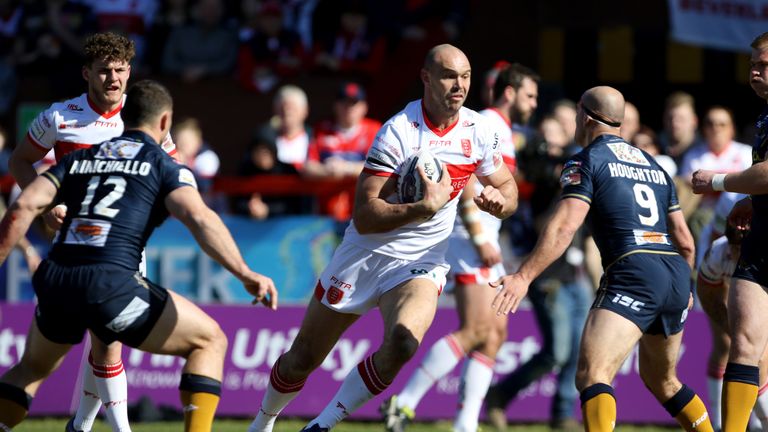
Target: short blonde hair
{"x":288,"y":92}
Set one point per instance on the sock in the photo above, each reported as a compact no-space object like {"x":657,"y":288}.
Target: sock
{"x":199,"y":399}
{"x":714,"y":391}
{"x":598,"y":408}
{"x":442,"y":357}
{"x":739,"y":395}
{"x":761,"y":407}
{"x":14,"y":405}
{"x":360,"y":386}
{"x":278,"y":395}
{"x":688,"y":410}
{"x":112,"y":386}
{"x":90,"y":402}
{"x":475,"y":381}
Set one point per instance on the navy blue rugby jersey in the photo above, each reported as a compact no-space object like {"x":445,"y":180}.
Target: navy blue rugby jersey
{"x":629,"y":196}
{"x":115,"y":197}
{"x":760,"y":154}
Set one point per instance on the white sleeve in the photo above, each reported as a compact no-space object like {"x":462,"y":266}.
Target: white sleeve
{"x":712,"y":268}
{"x":43,"y":130}
{"x":387,"y":153}
{"x":490,"y":141}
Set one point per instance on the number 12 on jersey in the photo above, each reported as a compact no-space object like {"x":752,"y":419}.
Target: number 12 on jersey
{"x":102,"y":207}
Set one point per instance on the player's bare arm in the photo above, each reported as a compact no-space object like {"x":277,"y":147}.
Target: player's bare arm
{"x":499,"y":197}
{"x":32,"y":202}
{"x":681,"y":236}
{"x":558,"y":233}
{"x":373,"y":214}
{"x":22,"y":160}
{"x":215,"y":239}
{"x":470,"y":217}
{"x":752,"y":181}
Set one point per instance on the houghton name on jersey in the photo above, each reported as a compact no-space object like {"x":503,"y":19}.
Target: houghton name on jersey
{"x":469,"y":146}
{"x":78,"y":123}
{"x":630,"y":196}
{"x":114,"y":193}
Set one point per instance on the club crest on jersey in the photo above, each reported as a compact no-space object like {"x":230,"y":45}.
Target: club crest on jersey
{"x":120,"y":149}
{"x":186,"y":177}
{"x":626,"y":153}
{"x":498,"y":159}
{"x":334,"y":295}
{"x":466,"y":147}
{"x":570,"y":176}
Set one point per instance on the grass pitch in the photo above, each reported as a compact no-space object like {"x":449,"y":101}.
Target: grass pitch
{"x":290,"y":425}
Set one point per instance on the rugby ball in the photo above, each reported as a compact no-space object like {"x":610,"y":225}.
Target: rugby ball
{"x":410,"y":186}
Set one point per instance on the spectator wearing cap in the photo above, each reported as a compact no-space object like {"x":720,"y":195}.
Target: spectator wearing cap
{"x":341,"y":144}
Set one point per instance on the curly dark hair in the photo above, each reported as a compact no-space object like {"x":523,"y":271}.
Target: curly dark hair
{"x":109,"y":47}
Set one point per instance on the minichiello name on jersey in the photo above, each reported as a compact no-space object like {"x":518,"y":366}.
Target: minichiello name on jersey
{"x":130,"y":167}
{"x":635,"y":173}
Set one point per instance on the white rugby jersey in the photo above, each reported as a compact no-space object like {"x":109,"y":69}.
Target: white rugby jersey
{"x":719,"y":263}
{"x":471,"y":145}
{"x":78,"y":123}
{"x":491,"y":224}
{"x":736,"y":157}
{"x":293,"y":150}
{"x":716,"y":226}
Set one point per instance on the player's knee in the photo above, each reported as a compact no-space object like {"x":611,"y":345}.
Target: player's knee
{"x":586,"y":376}
{"x":663,"y":386}
{"x":496,"y":337}
{"x":401,"y":344}
{"x":211,"y":338}
{"x":106,"y":354}
{"x":744,"y":345}
{"x":479,"y":332}
{"x":218,"y":339}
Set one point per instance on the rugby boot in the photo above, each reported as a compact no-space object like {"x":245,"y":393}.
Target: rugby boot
{"x":395,"y":418}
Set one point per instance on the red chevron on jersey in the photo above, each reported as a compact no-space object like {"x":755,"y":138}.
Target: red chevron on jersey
{"x":466,"y":146}
{"x":78,"y":123}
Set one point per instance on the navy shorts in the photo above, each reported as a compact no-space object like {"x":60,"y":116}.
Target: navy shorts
{"x":753,"y":262}
{"x":651,"y":290}
{"x":113,"y":302}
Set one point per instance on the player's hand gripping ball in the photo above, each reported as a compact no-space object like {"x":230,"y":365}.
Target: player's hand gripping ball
{"x":410,"y":185}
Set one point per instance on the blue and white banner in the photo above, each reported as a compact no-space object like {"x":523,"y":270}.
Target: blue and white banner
{"x":722,"y":24}
{"x":291,"y":250}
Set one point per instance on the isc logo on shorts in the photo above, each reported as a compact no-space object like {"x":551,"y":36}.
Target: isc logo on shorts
{"x":628,"y":301}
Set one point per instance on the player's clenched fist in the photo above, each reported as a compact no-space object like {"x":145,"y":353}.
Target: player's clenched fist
{"x":262,"y":289}
{"x":491,"y":200}
{"x":701,"y":181}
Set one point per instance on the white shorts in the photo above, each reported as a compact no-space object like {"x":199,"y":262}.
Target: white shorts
{"x":356,"y":278}
{"x":466,"y":266}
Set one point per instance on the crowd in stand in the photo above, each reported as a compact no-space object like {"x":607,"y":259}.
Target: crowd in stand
{"x":264,"y":44}
{"x":261,"y":44}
